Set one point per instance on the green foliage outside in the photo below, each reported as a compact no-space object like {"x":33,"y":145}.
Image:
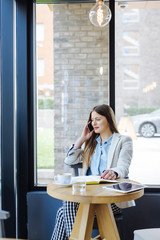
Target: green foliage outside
{"x":136,"y":111}
{"x":45,"y":148}
{"x":45,"y":103}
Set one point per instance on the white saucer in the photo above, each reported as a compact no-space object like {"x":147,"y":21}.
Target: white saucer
{"x":62,"y":185}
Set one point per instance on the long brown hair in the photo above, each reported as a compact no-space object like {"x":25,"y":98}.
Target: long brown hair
{"x":91,"y":143}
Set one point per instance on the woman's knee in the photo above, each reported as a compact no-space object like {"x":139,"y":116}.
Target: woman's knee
{"x":59,"y":213}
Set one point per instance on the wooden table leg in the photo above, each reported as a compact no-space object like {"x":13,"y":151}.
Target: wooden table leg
{"x":106,"y":222}
{"x":82,"y":228}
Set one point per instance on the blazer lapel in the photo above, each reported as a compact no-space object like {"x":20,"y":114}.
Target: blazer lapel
{"x":114,"y":142}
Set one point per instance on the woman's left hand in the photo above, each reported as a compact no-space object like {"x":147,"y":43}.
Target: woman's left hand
{"x":109,"y":174}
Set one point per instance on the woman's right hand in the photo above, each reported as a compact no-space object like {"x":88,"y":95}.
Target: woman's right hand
{"x":86,"y":134}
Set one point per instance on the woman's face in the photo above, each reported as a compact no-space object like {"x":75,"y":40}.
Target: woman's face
{"x":99,"y":123}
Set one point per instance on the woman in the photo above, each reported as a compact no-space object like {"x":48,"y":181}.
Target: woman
{"x":106,"y":153}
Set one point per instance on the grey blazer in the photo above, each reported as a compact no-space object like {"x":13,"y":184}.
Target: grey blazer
{"x":119,"y":158}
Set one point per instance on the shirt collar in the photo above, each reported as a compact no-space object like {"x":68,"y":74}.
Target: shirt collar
{"x":106,"y":142}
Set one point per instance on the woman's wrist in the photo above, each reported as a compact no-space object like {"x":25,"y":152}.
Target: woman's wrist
{"x":78,"y":143}
{"x":116,"y":174}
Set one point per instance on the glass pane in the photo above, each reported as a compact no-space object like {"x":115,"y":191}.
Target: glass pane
{"x":72,"y":77}
{"x":137,"y":88}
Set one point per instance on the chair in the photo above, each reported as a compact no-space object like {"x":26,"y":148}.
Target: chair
{"x":41,"y":213}
{"x":118,"y":217}
{"x":76,"y":167}
{"x":3,"y":216}
{"x":147,"y":234}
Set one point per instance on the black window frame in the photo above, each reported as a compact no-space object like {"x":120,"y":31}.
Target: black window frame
{"x":111,"y":74}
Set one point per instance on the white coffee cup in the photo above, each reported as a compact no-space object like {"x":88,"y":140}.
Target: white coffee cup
{"x":63,"y":178}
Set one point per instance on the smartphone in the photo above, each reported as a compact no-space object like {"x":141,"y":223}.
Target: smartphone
{"x":90,"y":127}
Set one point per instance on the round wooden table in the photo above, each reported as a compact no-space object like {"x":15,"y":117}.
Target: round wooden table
{"x":94,"y":200}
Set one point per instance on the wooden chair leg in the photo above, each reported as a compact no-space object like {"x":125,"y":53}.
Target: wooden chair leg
{"x":97,"y":238}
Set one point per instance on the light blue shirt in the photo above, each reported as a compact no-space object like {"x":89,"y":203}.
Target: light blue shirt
{"x":100,"y":157}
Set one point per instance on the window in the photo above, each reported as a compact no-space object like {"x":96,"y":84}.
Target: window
{"x":137,"y":89}
{"x":130,"y":43}
{"x":130,"y":76}
{"x":40,"y":32}
{"x":40,"y":67}
{"x":75,"y":80}
{"x":131,"y":16}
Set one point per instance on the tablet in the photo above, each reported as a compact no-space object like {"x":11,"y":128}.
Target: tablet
{"x":125,"y":187}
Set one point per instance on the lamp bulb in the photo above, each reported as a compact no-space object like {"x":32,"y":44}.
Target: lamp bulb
{"x":100,"y":14}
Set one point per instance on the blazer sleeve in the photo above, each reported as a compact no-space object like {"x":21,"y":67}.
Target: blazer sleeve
{"x":74,"y":156}
{"x":123,"y":157}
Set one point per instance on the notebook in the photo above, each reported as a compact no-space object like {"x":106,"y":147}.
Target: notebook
{"x":92,"y":179}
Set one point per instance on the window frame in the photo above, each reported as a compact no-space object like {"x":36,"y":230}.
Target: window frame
{"x":111,"y":70}
{"x":7,"y":114}
{"x":111,"y":74}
